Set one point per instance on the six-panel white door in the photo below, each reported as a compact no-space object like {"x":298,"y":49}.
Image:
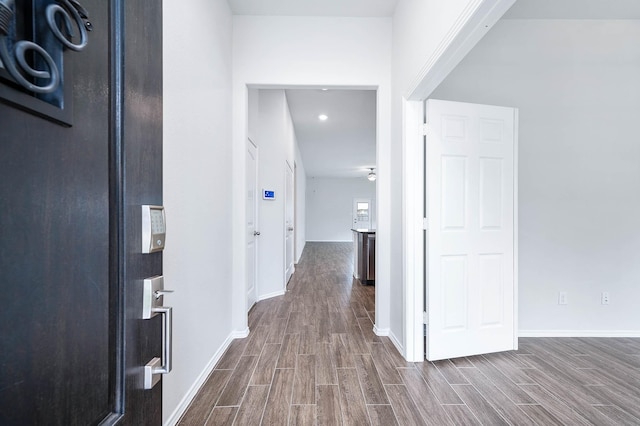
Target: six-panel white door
{"x":471,"y":236}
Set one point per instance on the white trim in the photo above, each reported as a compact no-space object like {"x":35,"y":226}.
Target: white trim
{"x":256,"y":219}
{"x":475,"y":21}
{"x":398,"y":345}
{"x":381,"y":331}
{"x":240,"y":334}
{"x":200,"y":380}
{"x":412,"y":228}
{"x":472,"y":24}
{"x":240,"y":134}
{"x":270,"y":295}
{"x":516,"y":238}
{"x":287,"y":168}
{"x":579,"y":333}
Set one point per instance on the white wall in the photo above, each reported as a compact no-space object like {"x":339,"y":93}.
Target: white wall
{"x":313,"y":51}
{"x":576,"y":85}
{"x":301,"y":203}
{"x":197,"y":190}
{"x":271,"y":129}
{"x":330,"y":206}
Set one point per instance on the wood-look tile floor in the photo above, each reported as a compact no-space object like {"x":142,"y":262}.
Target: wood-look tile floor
{"x":312,"y":358}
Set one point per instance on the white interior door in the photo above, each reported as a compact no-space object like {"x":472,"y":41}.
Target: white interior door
{"x":472,"y":233}
{"x":252,"y":223}
{"x":288,"y":225}
{"x":361,"y":213}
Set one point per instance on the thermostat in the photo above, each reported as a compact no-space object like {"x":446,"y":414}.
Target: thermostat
{"x":268,"y":194}
{"x":153,"y":228}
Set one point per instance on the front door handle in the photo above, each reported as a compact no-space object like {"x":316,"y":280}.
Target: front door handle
{"x":159,"y":293}
{"x":158,"y":366}
{"x":256,"y":233}
{"x":152,"y":305}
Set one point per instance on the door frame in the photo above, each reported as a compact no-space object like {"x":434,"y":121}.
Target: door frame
{"x":240,"y":94}
{"x":463,"y":36}
{"x":288,"y":168}
{"x":257,"y":225}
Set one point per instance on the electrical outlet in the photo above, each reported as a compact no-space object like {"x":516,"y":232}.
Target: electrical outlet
{"x":562,"y":298}
{"x":605,"y":297}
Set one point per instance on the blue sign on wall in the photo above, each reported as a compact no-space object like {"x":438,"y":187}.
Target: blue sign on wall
{"x":268,"y":195}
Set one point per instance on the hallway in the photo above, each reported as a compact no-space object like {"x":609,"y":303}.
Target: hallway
{"x":312,"y":358}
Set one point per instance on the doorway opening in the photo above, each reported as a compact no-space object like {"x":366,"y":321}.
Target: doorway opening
{"x":317,"y":150}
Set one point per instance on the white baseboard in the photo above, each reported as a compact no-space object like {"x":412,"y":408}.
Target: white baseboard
{"x":241,"y":334}
{"x":381,"y":331}
{"x":270,"y":295}
{"x":392,"y":337}
{"x":195,"y":387}
{"x":579,"y":333}
{"x":397,"y":344}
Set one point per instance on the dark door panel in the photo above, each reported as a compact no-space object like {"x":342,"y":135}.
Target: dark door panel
{"x":142,"y":139}
{"x":54,"y":252}
{"x":72,"y":345}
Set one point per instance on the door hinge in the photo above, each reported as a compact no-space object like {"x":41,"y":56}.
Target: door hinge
{"x":425,"y":129}
{"x":425,"y":318}
{"x":424,"y":223}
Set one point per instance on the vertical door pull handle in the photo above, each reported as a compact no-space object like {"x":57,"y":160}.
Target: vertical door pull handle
{"x":167,"y":338}
{"x":158,"y":366}
{"x":153,"y":292}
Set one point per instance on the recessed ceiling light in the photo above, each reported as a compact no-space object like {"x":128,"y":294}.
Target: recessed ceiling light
{"x":324,"y":89}
{"x":323,"y":117}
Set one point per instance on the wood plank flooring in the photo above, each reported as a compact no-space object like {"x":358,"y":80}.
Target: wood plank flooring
{"x":312,"y":359}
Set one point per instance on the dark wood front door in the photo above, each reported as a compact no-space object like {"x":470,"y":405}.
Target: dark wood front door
{"x":72,"y":344}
